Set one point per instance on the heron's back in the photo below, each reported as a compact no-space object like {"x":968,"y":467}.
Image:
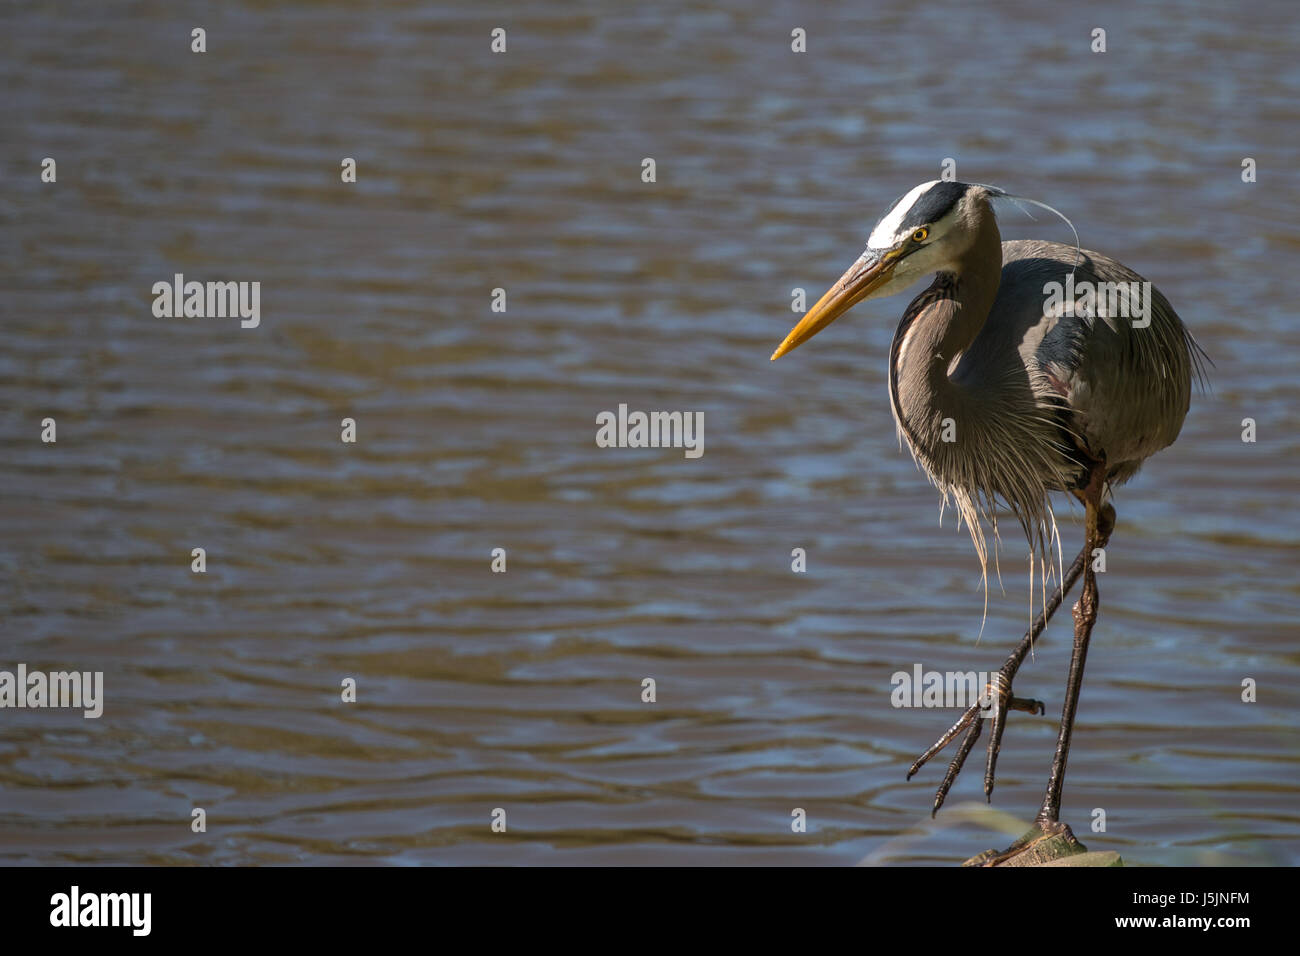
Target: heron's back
{"x":1116,"y":369}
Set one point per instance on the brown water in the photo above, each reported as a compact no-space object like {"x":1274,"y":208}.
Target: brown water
{"x":476,"y":431}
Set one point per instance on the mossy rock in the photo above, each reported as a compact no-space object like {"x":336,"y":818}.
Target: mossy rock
{"x":1037,"y":848}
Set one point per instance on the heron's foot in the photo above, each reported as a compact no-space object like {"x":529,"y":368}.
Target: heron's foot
{"x":993,"y":707}
{"x":1047,"y":841}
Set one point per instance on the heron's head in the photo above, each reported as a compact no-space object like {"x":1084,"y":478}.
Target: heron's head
{"x":924,"y":232}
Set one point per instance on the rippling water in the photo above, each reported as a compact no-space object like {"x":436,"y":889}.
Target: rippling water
{"x":476,"y":431}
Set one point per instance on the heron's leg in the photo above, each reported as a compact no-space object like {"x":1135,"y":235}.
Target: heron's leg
{"x":1100,"y":524}
{"x":1002,"y":701}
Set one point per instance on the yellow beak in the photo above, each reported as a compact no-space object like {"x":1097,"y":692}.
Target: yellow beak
{"x":863,"y":278}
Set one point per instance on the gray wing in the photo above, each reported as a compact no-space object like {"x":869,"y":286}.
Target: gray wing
{"x":1117,"y":372}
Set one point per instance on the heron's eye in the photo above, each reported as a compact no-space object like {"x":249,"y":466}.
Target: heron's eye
{"x":920,"y":234}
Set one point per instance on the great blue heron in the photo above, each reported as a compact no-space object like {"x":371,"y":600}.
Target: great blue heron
{"x":1025,"y":368}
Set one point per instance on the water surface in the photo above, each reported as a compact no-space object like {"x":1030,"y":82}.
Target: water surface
{"x":476,"y":431}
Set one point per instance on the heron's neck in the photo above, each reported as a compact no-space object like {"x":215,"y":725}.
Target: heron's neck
{"x":938,"y":326}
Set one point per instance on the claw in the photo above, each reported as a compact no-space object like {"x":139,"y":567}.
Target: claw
{"x":998,"y":691}
{"x":958,"y":761}
{"x":949,"y":735}
{"x":994,"y":705}
{"x":1028,"y":705}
